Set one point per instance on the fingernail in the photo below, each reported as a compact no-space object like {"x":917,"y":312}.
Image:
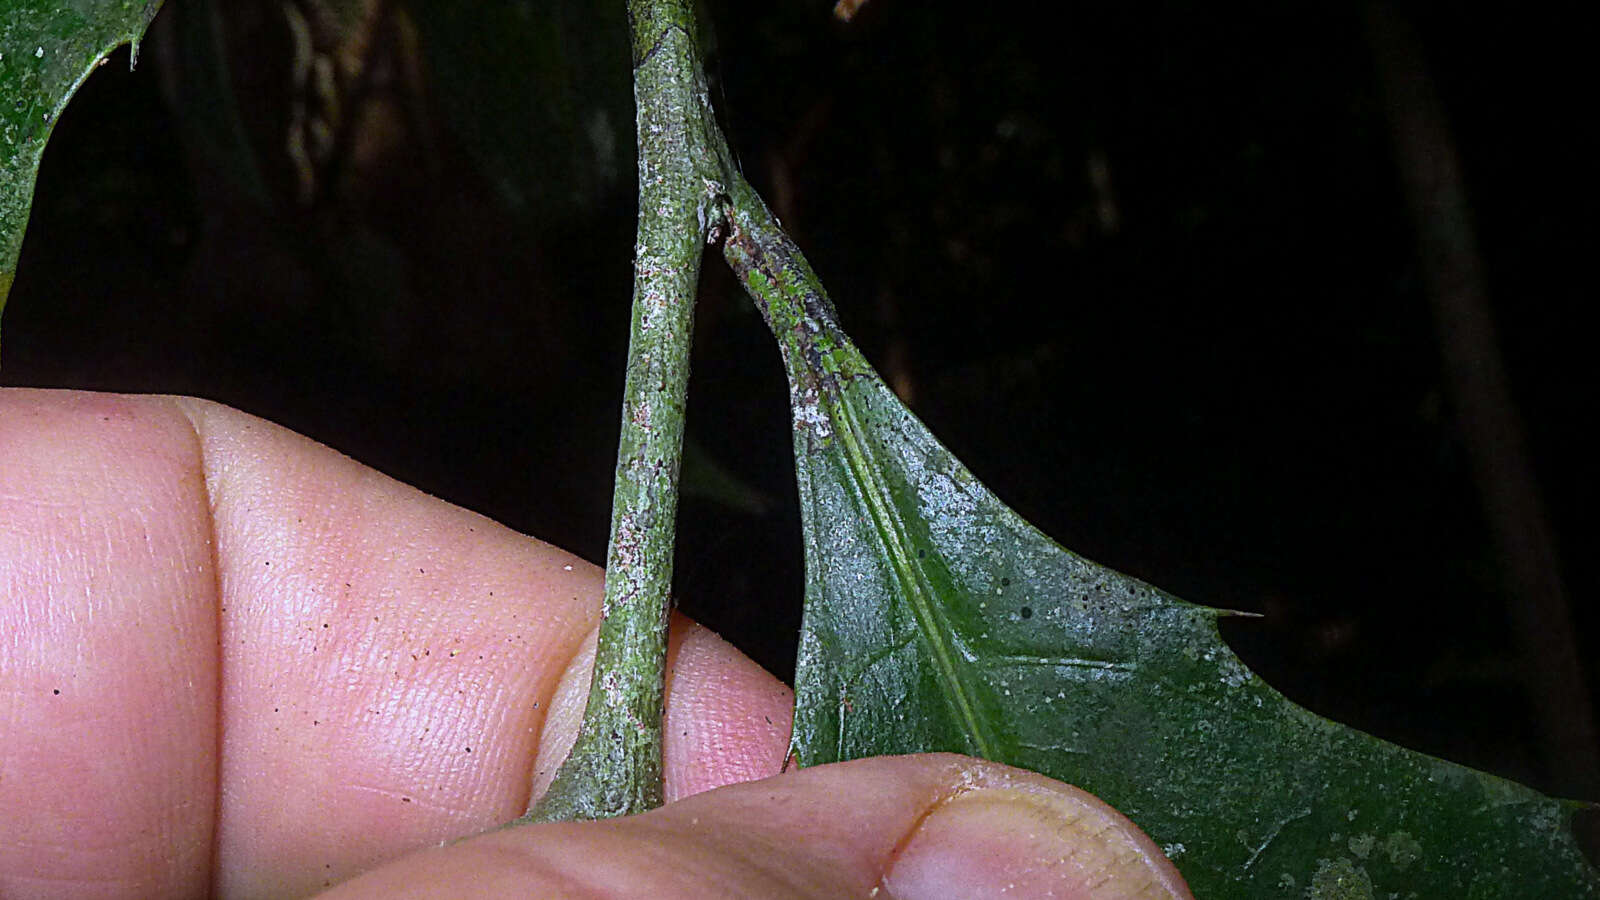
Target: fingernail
{"x":1029,"y":842}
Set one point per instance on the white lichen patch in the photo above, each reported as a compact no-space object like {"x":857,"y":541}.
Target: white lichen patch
{"x":1234,"y":674}
{"x":808,"y":415}
{"x":1339,"y":879}
{"x":1402,"y":849}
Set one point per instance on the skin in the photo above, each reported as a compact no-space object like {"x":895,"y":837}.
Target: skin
{"x":236,"y":663}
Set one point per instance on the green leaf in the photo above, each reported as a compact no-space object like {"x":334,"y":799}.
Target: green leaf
{"x":47,"y":49}
{"x":937,"y":619}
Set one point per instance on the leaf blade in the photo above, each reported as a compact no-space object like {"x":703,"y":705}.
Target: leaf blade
{"x":1085,"y":674}
{"x":47,"y":50}
{"x":911,"y":583}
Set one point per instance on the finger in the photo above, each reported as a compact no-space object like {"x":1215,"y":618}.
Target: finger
{"x":108,"y":650}
{"x":899,"y":828}
{"x":727,"y":720}
{"x":389,"y":661}
{"x":381,"y":663}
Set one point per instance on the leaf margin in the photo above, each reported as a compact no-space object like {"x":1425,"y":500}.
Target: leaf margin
{"x":69,"y":42}
{"x":833,"y":392}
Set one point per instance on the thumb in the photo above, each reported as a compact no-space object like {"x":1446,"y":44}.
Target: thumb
{"x":897,"y":828}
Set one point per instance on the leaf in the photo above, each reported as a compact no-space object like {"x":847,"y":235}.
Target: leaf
{"x":937,"y":619}
{"x":47,"y":49}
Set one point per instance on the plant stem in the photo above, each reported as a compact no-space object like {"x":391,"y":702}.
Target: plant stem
{"x":1487,"y":419}
{"x":615,"y":766}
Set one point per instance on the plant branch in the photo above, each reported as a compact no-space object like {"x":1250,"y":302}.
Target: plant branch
{"x":614,"y":769}
{"x":1486,"y":414}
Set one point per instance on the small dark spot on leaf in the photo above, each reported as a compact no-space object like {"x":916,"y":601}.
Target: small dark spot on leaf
{"x":1005,"y":582}
{"x":1026,"y":612}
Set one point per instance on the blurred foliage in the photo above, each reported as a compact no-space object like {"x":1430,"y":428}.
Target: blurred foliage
{"x":538,"y":93}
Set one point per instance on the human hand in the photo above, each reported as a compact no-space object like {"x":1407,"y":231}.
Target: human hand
{"x":235,"y":662}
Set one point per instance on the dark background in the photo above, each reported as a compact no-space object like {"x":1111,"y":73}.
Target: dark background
{"x":1147,"y":270}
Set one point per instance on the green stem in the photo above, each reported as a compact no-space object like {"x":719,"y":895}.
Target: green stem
{"x":615,"y":766}
{"x":820,"y":361}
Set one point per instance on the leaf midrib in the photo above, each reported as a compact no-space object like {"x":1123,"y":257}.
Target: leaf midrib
{"x":912,"y":581}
